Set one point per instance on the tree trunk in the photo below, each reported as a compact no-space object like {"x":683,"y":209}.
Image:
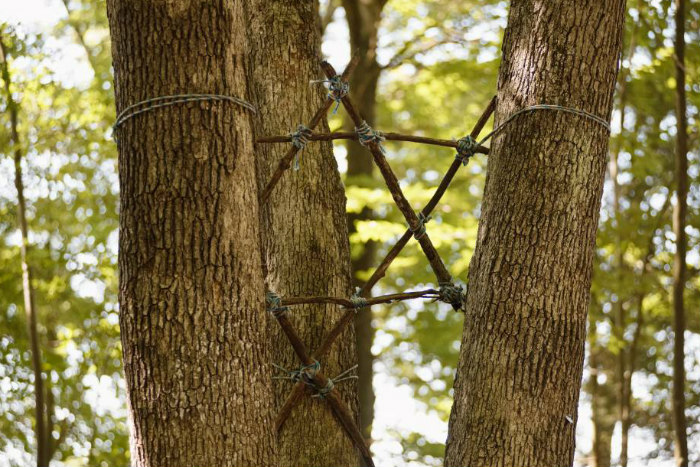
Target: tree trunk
{"x":619,"y":312}
{"x":191,"y":291}
{"x":602,"y":429}
{"x":603,"y":412}
{"x":364,"y":19}
{"x":624,"y":355}
{"x":304,"y":230}
{"x":679,"y":259}
{"x":40,"y":431}
{"x":521,"y":360}
{"x":627,"y":393}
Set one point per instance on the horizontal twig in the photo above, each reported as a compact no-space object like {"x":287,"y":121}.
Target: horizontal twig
{"x":387,"y":136}
{"x":347,"y":303}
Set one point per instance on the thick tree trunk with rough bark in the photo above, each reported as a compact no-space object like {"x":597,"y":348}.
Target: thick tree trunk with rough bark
{"x":521,"y":360}
{"x":679,"y":259}
{"x":304,"y":230}
{"x":364,"y":18}
{"x":191,"y":291}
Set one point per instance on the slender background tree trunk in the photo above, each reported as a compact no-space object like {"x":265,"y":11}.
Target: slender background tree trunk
{"x":40,"y":413}
{"x":603,"y":413}
{"x":191,"y":291}
{"x":624,"y":355}
{"x":521,"y":359}
{"x":679,"y":259}
{"x":304,"y":229}
{"x":364,"y":19}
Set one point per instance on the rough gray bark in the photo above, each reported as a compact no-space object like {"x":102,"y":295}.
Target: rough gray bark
{"x":304,"y":230}
{"x":519,"y":373}
{"x":191,"y":291}
{"x":40,"y":412}
{"x":364,"y":18}
{"x":679,"y":260}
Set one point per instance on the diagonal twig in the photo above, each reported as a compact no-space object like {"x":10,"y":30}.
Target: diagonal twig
{"x":428,"y":209}
{"x":298,"y":391}
{"x":338,"y":407}
{"x":392,"y":183}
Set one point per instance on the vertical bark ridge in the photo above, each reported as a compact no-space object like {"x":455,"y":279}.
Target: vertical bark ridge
{"x":191,"y":292}
{"x":304,"y":229}
{"x":521,"y":360}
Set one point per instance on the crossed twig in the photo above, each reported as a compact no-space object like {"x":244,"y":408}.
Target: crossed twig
{"x":416,"y":227}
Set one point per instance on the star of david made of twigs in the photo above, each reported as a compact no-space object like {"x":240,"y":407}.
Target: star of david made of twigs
{"x":310,"y":375}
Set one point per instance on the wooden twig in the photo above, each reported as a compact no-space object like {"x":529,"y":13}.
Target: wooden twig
{"x":428,"y":209}
{"x":392,"y":184}
{"x":298,"y":391}
{"x":285,"y":162}
{"x":388,"y":136}
{"x":292,"y":400}
{"x":338,"y":407}
{"x":347,"y":303}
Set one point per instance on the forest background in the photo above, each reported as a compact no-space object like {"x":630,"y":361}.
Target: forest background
{"x":435,"y":65}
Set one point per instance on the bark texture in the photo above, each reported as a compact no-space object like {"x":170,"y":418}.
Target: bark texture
{"x":40,"y":413}
{"x":519,"y":374}
{"x":679,"y":260}
{"x":304,"y":229}
{"x":364,"y":19}
{"x":191,"y":291}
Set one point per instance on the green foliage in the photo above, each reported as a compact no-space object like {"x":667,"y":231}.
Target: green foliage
{"x":638,"y":292}
{"x":70,"y":182}
{"x":441,"y":63}
{"x":440,"y":94}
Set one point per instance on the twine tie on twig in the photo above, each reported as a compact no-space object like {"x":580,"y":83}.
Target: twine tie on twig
{"x":274,"y":304}
{"x":366,"y":135}
{"x":300,"y":138}
{"x":466,"y":148}
{"x":305,"y":373}
{"x":452,"y":294}
{"x":337,"y":89}
{"x":344,"y":376}
{"x":358,"y":301}
{"x":420,"y":230}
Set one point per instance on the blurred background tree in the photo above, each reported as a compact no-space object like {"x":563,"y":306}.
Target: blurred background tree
{"x":70,"y":185}
{"x":435,"y":69}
